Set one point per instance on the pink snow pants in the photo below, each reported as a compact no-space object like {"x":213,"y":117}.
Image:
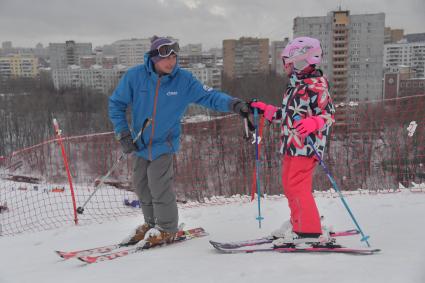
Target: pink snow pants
{"x":297,"y":181}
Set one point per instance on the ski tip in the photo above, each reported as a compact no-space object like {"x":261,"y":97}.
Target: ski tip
{"x":63,"y":255}
{"x":60,"y":253}
{"x":87,"y":259}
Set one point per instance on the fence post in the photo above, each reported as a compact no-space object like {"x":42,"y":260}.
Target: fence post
{"x":58,"y":133}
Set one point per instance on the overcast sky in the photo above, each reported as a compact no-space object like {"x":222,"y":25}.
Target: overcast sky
{"x":28,"y":22}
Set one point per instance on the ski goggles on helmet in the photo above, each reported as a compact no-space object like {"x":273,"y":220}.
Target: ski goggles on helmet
{"x":165,"y":50}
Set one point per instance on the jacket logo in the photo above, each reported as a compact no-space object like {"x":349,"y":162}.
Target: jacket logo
{"x":207,"y":88}
{"x":172,"y":93}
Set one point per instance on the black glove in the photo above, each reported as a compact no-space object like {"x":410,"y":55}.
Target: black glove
{"x":240,"y":107}
{"x":126,"y":142}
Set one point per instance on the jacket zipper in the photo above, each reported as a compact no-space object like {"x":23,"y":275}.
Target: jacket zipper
{"x":153,"y":118}
{"x":289,"y":101}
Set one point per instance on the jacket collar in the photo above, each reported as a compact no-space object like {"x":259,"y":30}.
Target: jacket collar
{"x":309,"y":72}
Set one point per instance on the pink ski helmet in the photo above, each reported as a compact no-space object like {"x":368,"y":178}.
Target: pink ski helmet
{"x":302,"y":52}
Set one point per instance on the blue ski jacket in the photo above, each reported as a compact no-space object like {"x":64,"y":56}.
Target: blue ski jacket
{"x":158,"y":105}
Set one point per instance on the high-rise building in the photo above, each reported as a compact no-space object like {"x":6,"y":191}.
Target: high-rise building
{"x":108,"y":62}
{"x":403,"y":54}
{"x":87,"y":61}
{"x":217,"y":52}
{"x":19,"y":66}
{"x":6,"y":48}
{"x":393,"y":35}
{"x":210,"y":76}
{"x":41,"y":52}
{"x":131,"y":52}
{"x":186,"y":60}
{"x":245,"y":56}
{"x":6,"y":44}
{"x":276,"y":51}
{"x":66,"y":54}
{"x":415,"y":37}
{"x":95,"y":77}
{"x":352,"y":52}
{"x":191,"y":49}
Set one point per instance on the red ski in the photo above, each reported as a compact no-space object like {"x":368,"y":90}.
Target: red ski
{"x":98,"y":250}
{"x":180,"y":237}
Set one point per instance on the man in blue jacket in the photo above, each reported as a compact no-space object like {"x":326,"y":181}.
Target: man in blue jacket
{"x":158,"y":93}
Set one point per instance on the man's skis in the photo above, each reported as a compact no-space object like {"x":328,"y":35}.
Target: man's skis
{"x":269,"y":239}
{"x":110,"y":248}
{"x":98,"y":250}
{"x":180,"y":237}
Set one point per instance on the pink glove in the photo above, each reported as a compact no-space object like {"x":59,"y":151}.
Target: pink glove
{"x":268,"y":109}
{"x":308,"y":125}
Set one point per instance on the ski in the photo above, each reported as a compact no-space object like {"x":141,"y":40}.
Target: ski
{"x":289,"y":249}
{"x":97,"y":250}
{"x":180,"y":237}
{"x":269,"y":239}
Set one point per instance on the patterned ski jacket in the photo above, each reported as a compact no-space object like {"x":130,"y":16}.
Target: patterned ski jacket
{"x":305,"y":97}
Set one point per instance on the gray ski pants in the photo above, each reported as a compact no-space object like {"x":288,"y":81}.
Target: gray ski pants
{"x":153,"y":181}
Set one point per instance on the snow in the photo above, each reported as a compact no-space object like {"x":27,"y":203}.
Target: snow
{"x":394,"y":221}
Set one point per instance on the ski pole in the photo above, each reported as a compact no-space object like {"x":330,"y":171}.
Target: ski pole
{"x":257,"y":167}
{"x":248,"y":127}
{"x":260,"y":138}
{"x":246,"y":130}
{"x":341,"y":196}
{"x":100,"y":181}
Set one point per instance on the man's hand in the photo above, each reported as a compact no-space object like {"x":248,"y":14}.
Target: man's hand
{"x":241,"y":107}
{"x":126,"y":142}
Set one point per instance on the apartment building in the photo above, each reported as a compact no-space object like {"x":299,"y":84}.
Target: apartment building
{"x":352,"y":52}
{"x":96,"y":77}
{"x":131,"y":52}
{"x":276,"y":49}
{"x":66,"y":54}
{"x":245,"y":56}
{"x":393,"y":35}
{"x":19,"y":66}
{"x":405,"y":54}
{"x":210,"y":76}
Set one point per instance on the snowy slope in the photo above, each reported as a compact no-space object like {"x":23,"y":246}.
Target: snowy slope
{"x":395,"y":223}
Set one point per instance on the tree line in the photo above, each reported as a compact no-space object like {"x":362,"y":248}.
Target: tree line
{"x":27,"y":107}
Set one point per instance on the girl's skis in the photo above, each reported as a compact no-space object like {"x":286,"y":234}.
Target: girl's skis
{"x":266,"y":240}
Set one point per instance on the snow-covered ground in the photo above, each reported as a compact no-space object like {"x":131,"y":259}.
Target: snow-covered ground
{"x":395,"y":223}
